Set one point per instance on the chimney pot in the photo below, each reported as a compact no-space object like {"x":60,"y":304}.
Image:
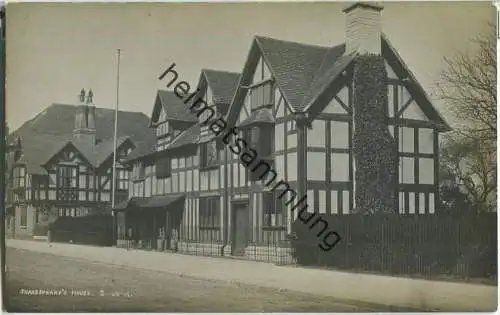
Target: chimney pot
{"x":82,"y":96}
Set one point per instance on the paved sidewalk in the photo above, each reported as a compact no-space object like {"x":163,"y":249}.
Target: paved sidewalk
{"x":400,"y":292}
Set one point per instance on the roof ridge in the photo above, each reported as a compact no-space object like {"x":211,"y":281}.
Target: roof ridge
{"x":220,"y":71}
{"x":96,"y":107}
{"x":317,"y":75}
{"x":290,"y":41}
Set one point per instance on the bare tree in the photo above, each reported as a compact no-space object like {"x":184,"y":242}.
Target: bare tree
{"x":471,"y":166}
{"x":469,"y":91}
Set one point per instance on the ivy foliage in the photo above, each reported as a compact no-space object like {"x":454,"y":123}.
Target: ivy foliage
{"x":374,"y":148}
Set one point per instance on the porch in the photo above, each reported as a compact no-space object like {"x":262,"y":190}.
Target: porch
{"x":149,"y":223}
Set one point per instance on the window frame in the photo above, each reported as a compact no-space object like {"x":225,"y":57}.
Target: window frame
{"x":278,"y":208}
{"x":168,"y":171}
{"x":205,"y":163}
{"x":73,"y":178}
{"x":256,"y":87}
{"x":122,"y":179}
{"x":19,"y":180}
{"x":210,"y":212}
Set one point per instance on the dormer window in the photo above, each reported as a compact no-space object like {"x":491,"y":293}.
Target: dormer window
{"x":162,"y":129}
{"x":261,"y":94}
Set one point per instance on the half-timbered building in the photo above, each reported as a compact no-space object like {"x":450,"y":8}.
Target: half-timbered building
{"x":301,"y":108}
{"x":61,"y":162}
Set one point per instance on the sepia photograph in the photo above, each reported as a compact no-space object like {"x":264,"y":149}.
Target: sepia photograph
{"x":249,"y":157}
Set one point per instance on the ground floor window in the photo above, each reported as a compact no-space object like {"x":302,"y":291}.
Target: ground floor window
{"x":274,"y":209}
{"x":73,"y":212}
{"x":210,"y":212}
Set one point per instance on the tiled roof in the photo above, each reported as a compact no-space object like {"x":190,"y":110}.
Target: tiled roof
{"x":189,"y":136}
{"x":223,"y":84}
{"x":142,"y":149}
{"x":48,"y":132}
{"x":174,"y":107}
{"x":263,"y":115}
{"x":295,"y":65}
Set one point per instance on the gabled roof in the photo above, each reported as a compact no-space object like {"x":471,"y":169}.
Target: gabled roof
{"x":48,"y":132}
{"x":222,"y":83}
{"x":417,"y":91}
{"x":173,"y":106}
{"x":142,"y":149}
{"x":295,"y":65}
{"x":189,"y":136}
{"x":304,"y":72}
{"x":263,"y":115}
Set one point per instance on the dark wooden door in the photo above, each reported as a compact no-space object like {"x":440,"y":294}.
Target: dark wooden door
{"x":240,"y":228}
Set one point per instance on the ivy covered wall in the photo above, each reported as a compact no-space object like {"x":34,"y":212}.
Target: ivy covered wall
{"x":374,"y":148}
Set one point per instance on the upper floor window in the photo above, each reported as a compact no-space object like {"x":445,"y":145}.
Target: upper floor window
{"x":292,"y":126}
{"x":208,"y":154}
{"x":274,"y":207}
{"x":66,"y":176}
{"x":260,"y":139}
{"x":138,"y":172}
{"x":40,"y":184}
{"x":162,"y":129}
{"x":261,"y":94}
{"x":122,"y":179}
{"x":206,"y":114}
{"x":163,"y":167}
{"x":19,"y":176}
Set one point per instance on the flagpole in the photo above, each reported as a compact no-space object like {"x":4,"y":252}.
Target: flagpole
{"x":115,"y":142}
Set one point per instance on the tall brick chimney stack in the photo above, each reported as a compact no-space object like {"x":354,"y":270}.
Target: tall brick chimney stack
{"x":85,"y":132}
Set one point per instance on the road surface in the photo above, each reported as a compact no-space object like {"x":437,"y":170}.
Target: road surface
{"x":49,"y":283}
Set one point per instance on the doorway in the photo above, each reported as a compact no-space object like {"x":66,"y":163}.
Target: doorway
{"x":240,"y":228}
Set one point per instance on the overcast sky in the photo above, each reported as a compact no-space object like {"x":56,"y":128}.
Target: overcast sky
{"x":53,"y":50}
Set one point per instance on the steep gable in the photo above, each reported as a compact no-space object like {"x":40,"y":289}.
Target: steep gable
{"x":167,"y":103}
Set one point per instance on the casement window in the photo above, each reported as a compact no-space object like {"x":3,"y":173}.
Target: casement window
{"x":66,"y":176}
{"x":19,"y":176}
{"x":208,"y":154}
{"x":40,"y":184}
{"x":163,"y":167}
{"x":210,"y":212}
{"x":162,"y":129}
{"x":162,"y":143}
{"x":274,"y":209}
{"x":138,"y":172}
{"x":262,"y":94}
{"x":291,"y":127}
{"x":260,"y":138}
{"x":122,"y":179}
